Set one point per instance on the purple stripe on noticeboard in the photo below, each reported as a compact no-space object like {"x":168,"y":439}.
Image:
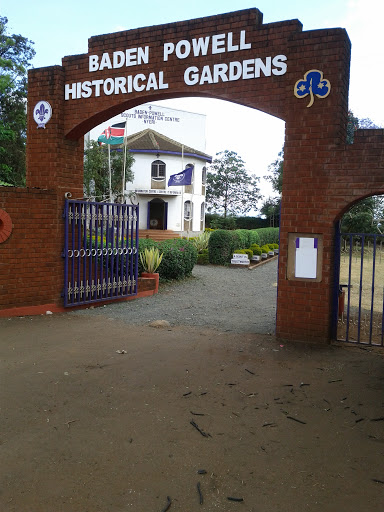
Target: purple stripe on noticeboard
{"x":315,"y":243}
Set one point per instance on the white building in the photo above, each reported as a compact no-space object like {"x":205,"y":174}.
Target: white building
{"x":178,"y":209}
{"x":154,"y":135}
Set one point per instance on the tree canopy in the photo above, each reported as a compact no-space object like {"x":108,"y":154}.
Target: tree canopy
{"x":96,"y":170}
{"x":16,"y":53}
{"x":231,"y":190}
{"x":366,"y":216}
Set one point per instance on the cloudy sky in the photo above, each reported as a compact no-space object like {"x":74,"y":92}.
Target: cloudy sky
{"x":60,"y":29}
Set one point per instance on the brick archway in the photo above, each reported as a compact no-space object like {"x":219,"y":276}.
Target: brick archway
{"x":302,"y":77}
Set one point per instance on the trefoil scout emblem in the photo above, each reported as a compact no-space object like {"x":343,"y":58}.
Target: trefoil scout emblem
{"x":313,"y":84}
{"x":42,"y":113}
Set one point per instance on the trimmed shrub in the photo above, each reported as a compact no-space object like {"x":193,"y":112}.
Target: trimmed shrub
{"x":221,"y":246}
{"x":249,"y":252}
{"x":254,"y":237}
{"x":265,"y":249}
{"x":244,"y":237}
{"x":179,"y":257}
{"x":256,"y":249}
{"x":268,"y":235}
{"x":203,"y":257}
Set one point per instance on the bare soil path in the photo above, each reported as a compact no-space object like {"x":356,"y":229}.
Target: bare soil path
{"x":96,"y":416}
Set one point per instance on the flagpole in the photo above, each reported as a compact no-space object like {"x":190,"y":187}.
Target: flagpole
{"x":182,"y":193}
{"x":192,"y":185}
{"x":125,"y":157}
{"x":110,"y":174}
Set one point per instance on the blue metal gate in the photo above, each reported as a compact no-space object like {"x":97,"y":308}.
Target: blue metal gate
{"x":100,"y":252}
{"x":359,"y":290}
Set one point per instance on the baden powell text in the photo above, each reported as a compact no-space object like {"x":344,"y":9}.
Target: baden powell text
{"x":246,"y":69}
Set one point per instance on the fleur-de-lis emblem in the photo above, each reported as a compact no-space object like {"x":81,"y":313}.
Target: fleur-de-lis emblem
{"x":313,"y":84}
{"x":41,"y":112}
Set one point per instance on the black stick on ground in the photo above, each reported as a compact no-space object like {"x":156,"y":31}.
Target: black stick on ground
{"x":204,"y":434}
{"x":167,"y":506}
{"x":200,"y":493}
{"x":231,"y":498}
{"x":295,"y":419}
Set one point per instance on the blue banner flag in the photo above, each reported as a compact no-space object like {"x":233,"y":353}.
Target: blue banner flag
{"x":181,"y":178}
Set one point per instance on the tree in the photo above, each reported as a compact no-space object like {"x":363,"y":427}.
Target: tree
{"x":271,"y":206}
{"x":96,"y":170}
{"x":16,"y":53}
{"x":230,"y":189}
{"x":271,"y":210}
{"x":352,"y":126}
{"x":366,"y":216}
{"x":276,"y":173}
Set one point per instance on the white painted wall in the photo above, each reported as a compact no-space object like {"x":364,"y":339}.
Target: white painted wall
{"x":184,"y":127}
{"x":142,"y":181}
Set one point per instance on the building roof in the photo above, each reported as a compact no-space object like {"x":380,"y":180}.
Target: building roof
{"x":150,"y":141}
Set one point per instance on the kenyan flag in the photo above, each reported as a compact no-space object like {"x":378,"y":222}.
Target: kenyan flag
{"x":112,"y":135}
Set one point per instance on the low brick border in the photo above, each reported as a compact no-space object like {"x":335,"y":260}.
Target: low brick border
{"x":5,"y":226}
{"x":146,"y":288}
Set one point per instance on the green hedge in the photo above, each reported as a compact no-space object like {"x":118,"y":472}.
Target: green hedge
{"x":179,"y":257}
{"x":268,"y":236}
{"x":254,"y":237}
{"x":221,"y":246}
{"x":203,"y":257}
{"x":223,"y":243}
{"x":244,"y":237}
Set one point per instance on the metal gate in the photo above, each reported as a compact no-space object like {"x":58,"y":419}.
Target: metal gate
{"x":359,"y":291}
{"x":100,"y":252}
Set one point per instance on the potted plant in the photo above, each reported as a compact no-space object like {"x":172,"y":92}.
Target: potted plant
{"x":151,"y":259}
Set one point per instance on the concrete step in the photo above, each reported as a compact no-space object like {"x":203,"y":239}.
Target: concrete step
{"x":158,"y":234}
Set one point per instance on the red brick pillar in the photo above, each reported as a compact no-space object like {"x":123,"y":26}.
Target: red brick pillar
{"x":53,"y":163}
{"x":315,"y":137}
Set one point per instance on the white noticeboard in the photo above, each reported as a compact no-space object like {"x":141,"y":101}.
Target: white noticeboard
{"x":306,"y":258}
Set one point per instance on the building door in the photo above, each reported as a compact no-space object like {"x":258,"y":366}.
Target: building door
{"x":157,"y":214}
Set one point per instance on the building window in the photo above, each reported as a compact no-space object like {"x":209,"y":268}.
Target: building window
{"x":193,"y":171}
{"x":202,"y":212}
{"x":204,"y":176}
{"x":158,"y":170}
{"x":188,"y":210}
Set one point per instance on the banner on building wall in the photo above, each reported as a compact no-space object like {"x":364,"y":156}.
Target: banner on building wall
{"x":181,"y":178}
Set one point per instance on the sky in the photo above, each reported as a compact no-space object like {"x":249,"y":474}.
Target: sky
{"x":59,"y":29}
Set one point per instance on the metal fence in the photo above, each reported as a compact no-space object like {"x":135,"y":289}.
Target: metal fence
{"x":100,"y":251}
{"x":360,"y":289}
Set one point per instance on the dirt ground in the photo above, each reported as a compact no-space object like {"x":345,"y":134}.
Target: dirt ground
{"x":85,"y":428}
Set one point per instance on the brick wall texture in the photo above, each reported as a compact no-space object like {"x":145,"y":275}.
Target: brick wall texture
{"x":322,"y":176}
